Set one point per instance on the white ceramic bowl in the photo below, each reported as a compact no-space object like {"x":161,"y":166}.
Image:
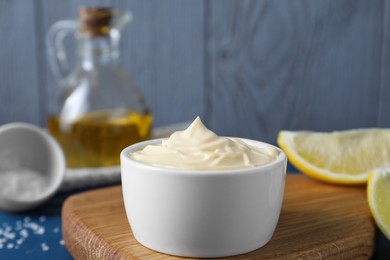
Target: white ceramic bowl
{"x":26,"y":148}
{"x":196,"y":213}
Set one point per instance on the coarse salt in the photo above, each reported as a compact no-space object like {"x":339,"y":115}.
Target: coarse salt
{"x":25,"y":184}
{"x":45,"y":247}
{"x":23,"y":233}
{"x":12,"y":237}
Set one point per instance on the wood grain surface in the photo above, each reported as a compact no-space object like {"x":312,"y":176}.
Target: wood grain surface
{"x":318,"y":221}
{"x":249,"y":68}
{"x":293,"y":65}
{"x":19,"y":91}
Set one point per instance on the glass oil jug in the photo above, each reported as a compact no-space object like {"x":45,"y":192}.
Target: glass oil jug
{"x":99,"y":110}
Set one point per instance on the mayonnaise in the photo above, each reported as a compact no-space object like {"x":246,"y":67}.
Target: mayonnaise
{"x":198,"y":148}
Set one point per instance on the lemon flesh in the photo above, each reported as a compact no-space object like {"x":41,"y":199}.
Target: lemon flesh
{"x":378,"y":194}
{"x":344,"y":157}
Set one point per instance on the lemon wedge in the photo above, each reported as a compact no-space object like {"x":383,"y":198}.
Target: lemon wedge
{"x":343,"y":157}
{"x":378,"y":194}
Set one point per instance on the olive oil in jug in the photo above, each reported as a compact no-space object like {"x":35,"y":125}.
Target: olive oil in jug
{"x":100,"y":111}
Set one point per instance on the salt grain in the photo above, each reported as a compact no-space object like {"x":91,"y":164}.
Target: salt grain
{"x":62,"y":242}
{"x":45,"y":247}
{"x":40,"y":231}
{"x":9,"y":235}
{"x":56,"y":230}
{"x":23,"y":233}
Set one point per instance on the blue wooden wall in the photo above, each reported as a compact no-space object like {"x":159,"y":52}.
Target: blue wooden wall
{"x":248,"y":68}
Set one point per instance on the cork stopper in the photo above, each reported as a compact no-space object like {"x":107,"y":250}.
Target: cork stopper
{"x":95,"y":21}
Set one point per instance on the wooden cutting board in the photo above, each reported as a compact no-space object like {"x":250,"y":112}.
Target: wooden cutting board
{"x":317,"y":221}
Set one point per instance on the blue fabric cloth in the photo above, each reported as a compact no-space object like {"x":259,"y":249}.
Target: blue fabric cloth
{"x":34,"y":234}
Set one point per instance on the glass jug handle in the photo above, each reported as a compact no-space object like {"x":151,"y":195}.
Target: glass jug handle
{"x":56,"y":51}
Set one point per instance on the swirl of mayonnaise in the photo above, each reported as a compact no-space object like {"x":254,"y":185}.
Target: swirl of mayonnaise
{"x":198,"y":148}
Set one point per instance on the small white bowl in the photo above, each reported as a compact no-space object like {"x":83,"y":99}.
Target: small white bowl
{"x":195,"y":213}
{"x":32,"y":166}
